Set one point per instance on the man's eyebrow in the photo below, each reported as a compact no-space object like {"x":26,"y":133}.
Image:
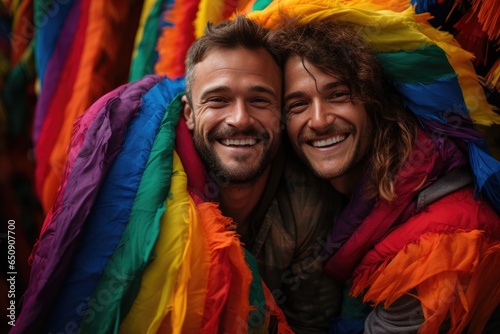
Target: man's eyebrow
{"x":263,"y":89}
{"x":333,"y":84}
{"x":227,"y":89}
{"x":217,"y":89}
{"x":326,"y":87}
{"x":293,"y":95}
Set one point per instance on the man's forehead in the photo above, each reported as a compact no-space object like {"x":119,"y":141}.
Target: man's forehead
{"x":220,"y":52}
{"x":221,"y":66}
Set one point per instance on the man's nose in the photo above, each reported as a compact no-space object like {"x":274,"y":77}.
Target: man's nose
{"x":239,"y":116}
{"x":321,"y":116}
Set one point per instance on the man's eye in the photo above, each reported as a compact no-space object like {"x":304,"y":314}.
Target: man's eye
{"x":260,"y":102}
{"x":216,"y":101}
{"x":340,"y":96}
{"x":296,"y":107}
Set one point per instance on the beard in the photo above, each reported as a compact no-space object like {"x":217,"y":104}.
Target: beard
{"x":246,"y":172}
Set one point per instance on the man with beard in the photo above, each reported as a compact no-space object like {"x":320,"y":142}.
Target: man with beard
{"x":233,"y":108}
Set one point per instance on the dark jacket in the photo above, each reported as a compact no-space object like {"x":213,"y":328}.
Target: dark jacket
{"x":288,"y":229}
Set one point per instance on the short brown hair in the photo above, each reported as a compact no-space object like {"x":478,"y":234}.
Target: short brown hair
{"x":231,"y":34}
{"x":337,"y":48}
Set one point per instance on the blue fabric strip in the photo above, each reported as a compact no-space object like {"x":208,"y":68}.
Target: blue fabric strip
{"x":434,"y":100}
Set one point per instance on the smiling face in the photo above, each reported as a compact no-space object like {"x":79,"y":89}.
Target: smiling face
{"x":328,"y":129}
{"x":235,"y":112}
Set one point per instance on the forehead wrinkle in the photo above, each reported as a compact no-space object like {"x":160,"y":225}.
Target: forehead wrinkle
{"x":227,"y":89}
{"x":263,"y":89}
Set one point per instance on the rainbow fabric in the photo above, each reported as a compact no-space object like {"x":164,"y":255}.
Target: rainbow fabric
{"x":102,"y":246}
{"x":146,"y":255}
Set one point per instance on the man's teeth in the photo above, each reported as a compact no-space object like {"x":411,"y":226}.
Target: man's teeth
{"x":239,"y":142}
{"x":328,"y":142}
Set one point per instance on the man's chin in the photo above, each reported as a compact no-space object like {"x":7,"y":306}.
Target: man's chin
{"x":236,"y":177}
{"x":321,"y":171}
{"x":238,"y":173}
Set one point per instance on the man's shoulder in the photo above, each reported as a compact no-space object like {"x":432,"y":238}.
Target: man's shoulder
{"x":462,"y":209}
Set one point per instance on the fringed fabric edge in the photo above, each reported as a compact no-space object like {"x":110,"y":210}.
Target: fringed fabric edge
{"x":448,"y":273}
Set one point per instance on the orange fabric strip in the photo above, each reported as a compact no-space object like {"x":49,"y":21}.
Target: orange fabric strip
{"x":449,"y":274}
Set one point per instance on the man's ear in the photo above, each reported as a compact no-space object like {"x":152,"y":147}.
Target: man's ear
{"x":188,"y":113}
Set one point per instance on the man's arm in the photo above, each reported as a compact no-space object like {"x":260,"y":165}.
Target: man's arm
{"x":403,"y":316}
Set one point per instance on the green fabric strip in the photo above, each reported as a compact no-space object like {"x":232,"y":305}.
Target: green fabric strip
{"x":145,"y":58}
{"x":257,"y":298}
{"x":261,"y":4}
{"x":133,"y":253}
{"x":419,"y":66}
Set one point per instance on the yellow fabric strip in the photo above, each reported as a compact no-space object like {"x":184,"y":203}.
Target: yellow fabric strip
{"x":208,"y":10}
{"x":493,"y":76}
{"x":156,"y":296}
{"x":385,"y":30}
{"x":190,"y":293}
{"x":473,"y":93}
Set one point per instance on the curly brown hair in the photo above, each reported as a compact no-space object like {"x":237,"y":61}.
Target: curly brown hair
{"x":338,"y":49}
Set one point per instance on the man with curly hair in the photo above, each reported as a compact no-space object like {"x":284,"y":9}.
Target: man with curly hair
{"x":413,"y":241}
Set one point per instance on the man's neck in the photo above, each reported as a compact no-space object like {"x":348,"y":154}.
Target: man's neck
{"x":345,"y":183}
{"x":238,"y":200}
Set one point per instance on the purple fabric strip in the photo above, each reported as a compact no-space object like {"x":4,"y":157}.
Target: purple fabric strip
{"x":458,"y":125}
{"x":55,"y":67}
{"x":349,"y":219}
